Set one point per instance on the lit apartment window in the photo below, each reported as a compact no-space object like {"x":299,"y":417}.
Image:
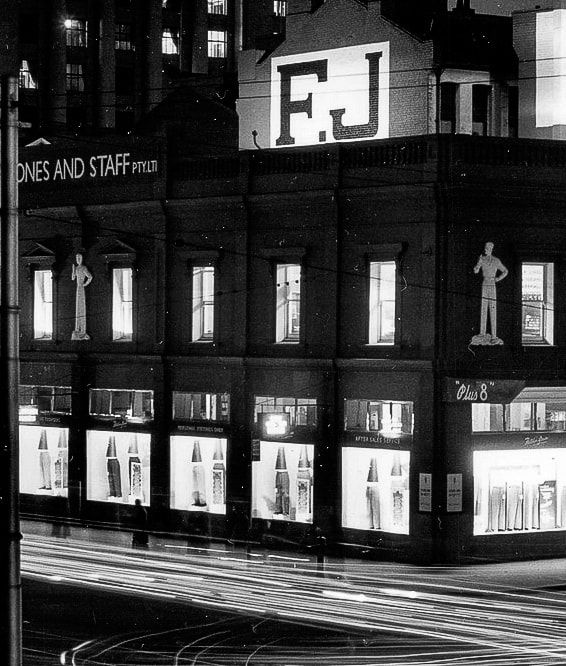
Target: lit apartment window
{"x":217,"y":41}
{"x":123,"y":37}
{"x":122,"y":302}
{"x":382,"y":282}
{"x":448,"y":96}
{"x":42,"y":305}
{"x":537,"y":280}
{"x":280,"y":7}
{"x":288,"y":320}
{"x":203,"y":303}
{"x":217,"y":6}
{"x":76,"y":32}
{"x":170,"y":42}
{"x":75,"y":78}
{"x":481,"y":96}
{"x":26,"y":79}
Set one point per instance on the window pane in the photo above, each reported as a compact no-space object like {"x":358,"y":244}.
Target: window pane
{"x":382,"y":291}
{"x":203,"y":303}
{"x":537,"y":281}
{"x":280,"y":7}
{"x":26,"y":80}
{"x":76,"y":32}
{"x":170,"y":42}
{"x":217,"y":6}
{"x":122,"y":313}
{"x":43,"y":305}
{"x":288,"y":317}
{"x":217,"y":43}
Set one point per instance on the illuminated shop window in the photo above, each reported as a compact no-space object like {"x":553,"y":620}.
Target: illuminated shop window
{"x":26,"y":80}
{"x":382,"y":302}
{"x":122,"y":304}
{"x":74,"y":79}
{"x":118,"y":467}
{"x":519,"y":490}
{"x":537,"y":289}
{"x":122,"y":405}
{"x":217,"y":6}
{"x":76,"y":32}
{"x":375,"y":489}
{"x":519,"y":416}
{"x":391,"y":418}
{"x":123,"y":37}
{"x":448,"y":107}
{"x":280,"y":7}
{"x":217,"y":43}
{"x":37,"y":400}
{"x":44,"y":461}
{"x":288,"y":308}
{"x":301,"y":411}
{"x":201,"y":406}
{"x":282,"y":481}
{"x":170,"y":42}
{"x":43,"y":305}
{"x":481,"y":100}
{"x":203,"y":303}
{"x":198,"y":474}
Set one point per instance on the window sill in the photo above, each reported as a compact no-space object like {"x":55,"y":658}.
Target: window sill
{"x":379,"y":344}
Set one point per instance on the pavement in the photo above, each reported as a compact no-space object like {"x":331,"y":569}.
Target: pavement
{"x":527,"y":576}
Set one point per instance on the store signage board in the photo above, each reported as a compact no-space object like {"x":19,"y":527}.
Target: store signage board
{"x":62,"y":174}
{"x":519,"y":440}
{"x":373,"y":440}
{"x":454,"y":493}
{"x":330,"y":96}
{"x":497,"y":391}
{"x":425,"y":492}
{"x":201,"y":429}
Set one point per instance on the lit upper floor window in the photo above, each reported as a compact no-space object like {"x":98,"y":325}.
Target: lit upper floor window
{"x":217,"y":43}
{"x":75,"y":79}
{"x":203,"y":304}
{"x":280,"y":7}
{"x":170,"y":42}
{"x":218,"y":7}
{"x":288,"y":303}
{"x":122,"y":304}
{"x":123,"y":37}
{"x":26,"y":80}
{"x":382,"y":288}
{"x":42,"y":305}
{"x":301,"y":411}
{"x":537,"y":290}
{"x":201,"y":406}
{"x":520,"y":416}
{"x":76,"y":32}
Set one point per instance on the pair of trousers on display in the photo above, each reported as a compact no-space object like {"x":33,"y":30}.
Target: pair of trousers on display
{"x":496,"y":509}
{"x":114,"y":480}
{"x":45,"y":470}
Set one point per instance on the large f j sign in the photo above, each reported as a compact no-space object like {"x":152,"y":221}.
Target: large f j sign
{"x":340,"y":132}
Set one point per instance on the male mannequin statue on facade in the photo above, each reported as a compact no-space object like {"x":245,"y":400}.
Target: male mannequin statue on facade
{"x":493,"y":271}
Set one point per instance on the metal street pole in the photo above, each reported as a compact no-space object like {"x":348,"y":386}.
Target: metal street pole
{"x":10,"y":536}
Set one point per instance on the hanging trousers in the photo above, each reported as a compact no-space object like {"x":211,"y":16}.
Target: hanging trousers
{"x":114,"y":481}
{"x":45,"y":470}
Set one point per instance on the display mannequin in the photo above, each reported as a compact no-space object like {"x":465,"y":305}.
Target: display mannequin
{"x":493,"y":271}
{"x":83,"y":278}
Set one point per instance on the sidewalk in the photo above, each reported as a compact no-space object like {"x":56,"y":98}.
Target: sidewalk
{"x":531,"y":575}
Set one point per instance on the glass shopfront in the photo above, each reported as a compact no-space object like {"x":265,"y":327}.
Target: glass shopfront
{"x":118,"y":466}
{"x":376,"y":465}
{"x":282,"y":481}
{"x":44,"y":460}
{"x":519,"y":463}
{"x":198,"y":473}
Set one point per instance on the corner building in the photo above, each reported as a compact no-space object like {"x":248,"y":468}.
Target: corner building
{"x":352,"y":323}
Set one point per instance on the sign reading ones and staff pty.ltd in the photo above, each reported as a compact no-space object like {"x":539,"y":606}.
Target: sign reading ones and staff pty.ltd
{"x":329,"y":96}
{"x":77,"y":168}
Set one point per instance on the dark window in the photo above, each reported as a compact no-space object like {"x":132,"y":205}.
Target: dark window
{"x":448,"y":94}
{"x":480,"y":110}
{"x":513,"y":98}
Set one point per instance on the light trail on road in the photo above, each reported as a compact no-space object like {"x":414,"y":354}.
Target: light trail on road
{"x":441,"y":617}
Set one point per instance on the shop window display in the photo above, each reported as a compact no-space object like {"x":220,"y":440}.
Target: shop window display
{"x":198,"y":474}
{"x":44,"y":454}
{"x":519,"y":490}
{"x":519,"y":416}
{"x":375,"y":489}
{"x":201,"y":406}
{"x":118,"y":467}
{"x":123,"y":405}
{"x":391,"y":419}
{"x":302,"y":411}
{"x":282,"y":482}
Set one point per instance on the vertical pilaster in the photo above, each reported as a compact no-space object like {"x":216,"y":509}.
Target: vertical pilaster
{"x":56,"y":102}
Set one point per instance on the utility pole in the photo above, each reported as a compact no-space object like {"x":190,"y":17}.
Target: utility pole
{"x":10,"y":535}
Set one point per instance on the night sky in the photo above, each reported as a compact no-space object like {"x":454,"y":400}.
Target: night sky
{"x":504,"y":7}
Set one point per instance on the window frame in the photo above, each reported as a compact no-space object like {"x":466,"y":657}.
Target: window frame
{"x":127,"y":336}
{"x":547,"y":307}
{"x":47,"y":338}
{"x":76,"y":33}
{"x":74,"y":77}
{"x":217,"y":48}
{"x":217,"y":7}
{"x":283,"y":316}
{"x":204,"y":267}
{"x":378,"y":340}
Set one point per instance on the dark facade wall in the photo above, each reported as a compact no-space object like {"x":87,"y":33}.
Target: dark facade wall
{"x":523,"y":230}
{"x":290,"y":229}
